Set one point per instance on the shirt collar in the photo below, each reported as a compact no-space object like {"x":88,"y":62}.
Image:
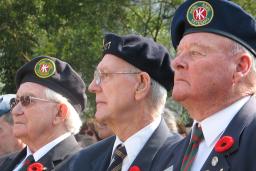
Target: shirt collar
{"x":135,"y":143}
{"x":215,"y":125}
{"x":43,"y":150}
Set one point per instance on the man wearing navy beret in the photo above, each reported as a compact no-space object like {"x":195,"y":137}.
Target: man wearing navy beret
{"x":131,"y":83}
{"x":215,"y":80}
{"x":50,"y":95}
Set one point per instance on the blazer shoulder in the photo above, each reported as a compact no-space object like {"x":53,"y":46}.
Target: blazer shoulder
{"x":7,"y":157}
{"x":83,"y":160}
{"x":60,"y":154}
{"x":98,"y":147}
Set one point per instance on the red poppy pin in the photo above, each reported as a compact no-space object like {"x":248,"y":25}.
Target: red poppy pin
{"x":36,"y":167}
{"x":134,"y":168}
{"x":224,"y":144}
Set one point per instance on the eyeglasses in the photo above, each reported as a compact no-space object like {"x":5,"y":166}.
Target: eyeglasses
{"x":25,"y":101}
{"x":100,"y":76}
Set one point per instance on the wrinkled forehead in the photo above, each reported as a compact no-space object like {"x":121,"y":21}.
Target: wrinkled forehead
{"x":30,"y":88}
{"x":205,"y":40}
{"x":112,"y":62}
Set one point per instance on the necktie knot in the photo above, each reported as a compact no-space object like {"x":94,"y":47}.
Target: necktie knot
{"x":197,"y":137}
{"x":117,"y":159}
{"x":29,"y":160}
{"x":120,"y":152}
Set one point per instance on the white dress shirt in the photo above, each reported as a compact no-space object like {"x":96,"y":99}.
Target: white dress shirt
{"x":213,"y":127}
{"x":43,"y":150}
{"x":136,"y":142}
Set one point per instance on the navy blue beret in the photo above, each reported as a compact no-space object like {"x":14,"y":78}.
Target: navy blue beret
{"x":5,"y":103}
{"x":142,"y":53}
{"x":220,"y":17}
{"x":56,"y":75}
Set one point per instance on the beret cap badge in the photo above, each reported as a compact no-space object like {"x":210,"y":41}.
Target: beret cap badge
{"x":45,"y":68}
{"x":200,"y":14}
{"x":106,"y":46}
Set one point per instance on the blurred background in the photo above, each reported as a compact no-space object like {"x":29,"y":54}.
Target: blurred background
{"x":72,"y":30}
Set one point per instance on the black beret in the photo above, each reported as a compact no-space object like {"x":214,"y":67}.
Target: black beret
{"x":56,"y":75}
{"x":144,"y":54}
{"x":220,"y":17}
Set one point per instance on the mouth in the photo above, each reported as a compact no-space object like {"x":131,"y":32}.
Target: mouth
{"x":182,"y":81}
{"x":99,"y":103}
{"x":18,"y":122}
{"x":179,"y":79}
{"x":102,"y":125}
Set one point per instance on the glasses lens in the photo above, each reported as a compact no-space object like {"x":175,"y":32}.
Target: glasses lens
{"x":13,"y":103}
{"x":97,"y":77}
{"x":25,"y":100}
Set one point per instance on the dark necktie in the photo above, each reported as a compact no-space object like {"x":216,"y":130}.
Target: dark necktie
{"x":117,"y":158}
{"x":192,"y":149}
{"x":29,"y":160}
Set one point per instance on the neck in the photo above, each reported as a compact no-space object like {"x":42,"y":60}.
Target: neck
{"x":36,"y":143}
{"x":200,"y":110}
{"x":128,"y":127}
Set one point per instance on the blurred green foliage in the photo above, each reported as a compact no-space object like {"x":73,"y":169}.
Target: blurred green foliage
{"x":72,"y":30}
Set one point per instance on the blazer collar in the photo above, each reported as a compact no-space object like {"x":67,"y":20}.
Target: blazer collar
{"x":101,"y":162}
{"x":217,"y":161}
{"x":60,"y":152}
{"x":151,"y":147}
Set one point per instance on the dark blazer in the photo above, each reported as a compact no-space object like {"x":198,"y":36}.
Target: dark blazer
{"x":97,"y":157}
{"x":240,"y":158}
{"x":50,"y":160}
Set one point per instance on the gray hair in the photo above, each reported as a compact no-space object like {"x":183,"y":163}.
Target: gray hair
{"x":158,"y":96}
{"x":158,"y":93}
{"x":170,"y":119}
{"x":238,"y":48}
{"x":250,"y":80}
{"x":73,"y":122}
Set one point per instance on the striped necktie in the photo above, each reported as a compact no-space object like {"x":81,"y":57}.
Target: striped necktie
{"x":192,"y":149}
{"x":29,"y":160}
{"x":117,"y":158}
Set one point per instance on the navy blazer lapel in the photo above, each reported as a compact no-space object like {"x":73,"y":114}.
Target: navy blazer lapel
{"x":150,"y":149}
{"x":60,"y":152}
{"x":11,"y":162}
{"x":102,"y":162}
{"x":235,"y":130}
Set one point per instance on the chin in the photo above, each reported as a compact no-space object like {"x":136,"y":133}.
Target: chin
{"x":178,"y":96}
{"x":100,"y":117}
{"x":19,"y":132}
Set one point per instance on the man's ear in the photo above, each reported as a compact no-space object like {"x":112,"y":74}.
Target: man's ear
{"x":243,"y":66}
{"x":62,"y":113}
{"x":143,"y":85}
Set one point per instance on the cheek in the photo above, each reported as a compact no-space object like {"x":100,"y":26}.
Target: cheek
{"x":36,"y":117}
{"x":2,"y":133}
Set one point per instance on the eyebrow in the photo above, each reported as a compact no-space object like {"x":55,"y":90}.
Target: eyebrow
{"x":201,"y":45}
{"x":25,"y":94}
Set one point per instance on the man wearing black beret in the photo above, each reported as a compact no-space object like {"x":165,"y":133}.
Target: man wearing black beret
{"x":215,"y":80}
{"x":50,"y":95}
{"x":131,"y":83}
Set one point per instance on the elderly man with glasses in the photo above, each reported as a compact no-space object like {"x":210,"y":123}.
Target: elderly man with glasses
{"x":131,"y":83}
{"x":46,"y":114}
